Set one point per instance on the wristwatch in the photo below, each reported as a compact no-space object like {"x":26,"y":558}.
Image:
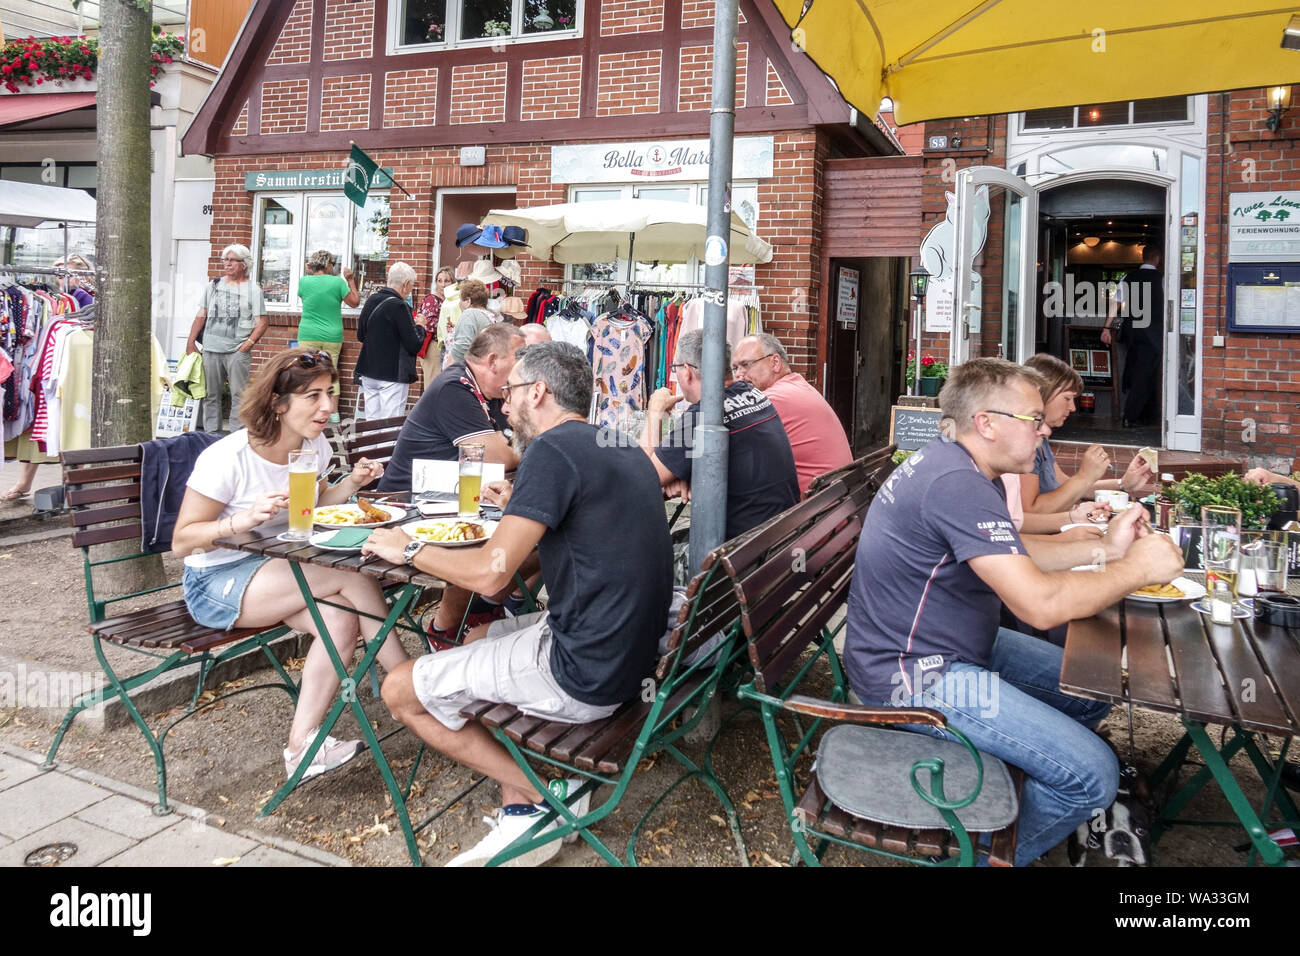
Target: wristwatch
{"x":411,"y":550}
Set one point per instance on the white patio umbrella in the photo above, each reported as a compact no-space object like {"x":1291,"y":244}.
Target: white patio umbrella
{"x":29,"y":204}
{"x":649,"y":229}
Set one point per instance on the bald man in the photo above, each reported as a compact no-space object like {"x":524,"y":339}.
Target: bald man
{"x":816,"y":436}
{"x":534,"y":333}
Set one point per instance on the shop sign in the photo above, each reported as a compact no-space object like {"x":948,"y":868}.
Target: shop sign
{"x":296,"y":179}
{"x":1264,"y":227}
{"x":657,"y":161}
{"x":846,"y":306}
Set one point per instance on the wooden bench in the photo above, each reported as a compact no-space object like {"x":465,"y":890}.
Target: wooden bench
{"x":878,"y":463}
{"x":607,"y":752}
{"x":792,"y":580}
{"x":368,"y":438}
{"x":102,"y":487}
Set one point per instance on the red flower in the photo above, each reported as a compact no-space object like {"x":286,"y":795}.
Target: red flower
{"x":928,"y":361}
{"x":7,"y":69}
{"x":31,"y":64}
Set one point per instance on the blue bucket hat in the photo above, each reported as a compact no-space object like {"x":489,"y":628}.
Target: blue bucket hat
{"x":467,"y":233}
{"x":491,"y":238}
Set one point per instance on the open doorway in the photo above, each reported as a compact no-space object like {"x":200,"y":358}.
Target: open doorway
{"x":1092,"y":236}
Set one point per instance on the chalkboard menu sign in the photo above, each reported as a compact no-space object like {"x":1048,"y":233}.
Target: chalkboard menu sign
{"x":910,"y":428}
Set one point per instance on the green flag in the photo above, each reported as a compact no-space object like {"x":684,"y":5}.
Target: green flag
{"x":359,"y":176}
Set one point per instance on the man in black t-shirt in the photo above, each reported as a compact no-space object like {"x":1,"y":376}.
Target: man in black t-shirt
{"x":457,"y":407}
{"x":595,"y":516}
{"x":761,"y":477}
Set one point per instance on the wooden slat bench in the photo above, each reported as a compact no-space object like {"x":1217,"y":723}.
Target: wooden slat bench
{"x":792,"y":580}
{"x":102,"y":487}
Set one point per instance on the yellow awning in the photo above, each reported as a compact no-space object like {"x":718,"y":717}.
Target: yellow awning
{"x":942,"y":58}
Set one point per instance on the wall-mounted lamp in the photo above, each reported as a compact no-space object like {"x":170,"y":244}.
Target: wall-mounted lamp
{"x":1279,"y":101}
{"x":920,"y":280}
{"x":1091,"y":241}
{"x":1291,"y":35}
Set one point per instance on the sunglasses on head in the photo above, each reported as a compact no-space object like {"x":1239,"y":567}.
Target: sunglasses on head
{"x":310,"y":360}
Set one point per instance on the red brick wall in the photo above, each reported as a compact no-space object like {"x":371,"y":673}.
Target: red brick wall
{"x":349,"y":29}
{"x":551,"y":88}
{"x":699,"y":13}
{"x":695,"y":86}
{"x":284,"y":106}
{"x":294,"y":44}
{"x":629,"y":83}
{"x":410,"y":97}
{"x":241,"y":122}
{"x":777,"y":94}
{"x":629,"y":16}
{"x":345,"y":102}
{"x":1253,"y":378}
{"x":478,"y":93}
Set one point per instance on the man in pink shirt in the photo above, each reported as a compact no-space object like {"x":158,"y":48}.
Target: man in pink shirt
{"x":816,"y":435}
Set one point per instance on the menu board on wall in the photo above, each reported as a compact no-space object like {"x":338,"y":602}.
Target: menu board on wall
{"x":1264,"y":298}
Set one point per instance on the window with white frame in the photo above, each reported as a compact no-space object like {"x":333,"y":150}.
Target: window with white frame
{"x":744,"y":199}
{"x":1163,"y":109}
{"x":448,"y":23}
{"x":289,"y":227}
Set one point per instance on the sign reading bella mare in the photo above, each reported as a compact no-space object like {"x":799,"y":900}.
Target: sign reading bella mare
{"x":1264,"y":227}
{"x":669,"y":160}
{"x":295,"y":179}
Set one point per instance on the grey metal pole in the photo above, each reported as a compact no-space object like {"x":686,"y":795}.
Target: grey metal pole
{"x":709,"y":472}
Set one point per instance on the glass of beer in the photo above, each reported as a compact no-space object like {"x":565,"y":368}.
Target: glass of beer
{"x":1221,"y":547}
{"x":471,"y":479}
{"x":302,"y":493}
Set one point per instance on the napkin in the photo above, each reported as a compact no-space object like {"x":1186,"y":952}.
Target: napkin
{"x":345,"y":538}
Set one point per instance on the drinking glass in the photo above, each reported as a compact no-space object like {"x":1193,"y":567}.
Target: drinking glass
{"x":1221,"y":547}
{"x":302,"y":493}
{"x":471,"y":479}
{"x":1271,"y":565}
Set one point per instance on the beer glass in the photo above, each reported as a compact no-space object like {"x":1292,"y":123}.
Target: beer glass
{"x":1221,"y":547}
{"x":471,"y":479}
{"x":302,"y":493}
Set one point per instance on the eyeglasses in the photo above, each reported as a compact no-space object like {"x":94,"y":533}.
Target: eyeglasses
{"x":683,"y":365}
{"x":505,"y":389}
{"x":739,"y":367}
{"x":1036,"y":419}
{"x":310,"y":360}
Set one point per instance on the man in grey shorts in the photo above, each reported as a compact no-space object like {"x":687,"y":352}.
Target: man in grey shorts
{"x":595,"y":515}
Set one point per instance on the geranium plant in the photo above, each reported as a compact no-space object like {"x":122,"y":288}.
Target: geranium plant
{"x":31,"y":62}
{"x":930,"y":368}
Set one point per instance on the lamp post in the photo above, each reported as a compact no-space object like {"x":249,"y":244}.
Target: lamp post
{"x":920,"y":280}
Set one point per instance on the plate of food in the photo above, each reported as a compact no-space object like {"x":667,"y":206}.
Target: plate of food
{"x":1180,"y":589}
{"x":361,"y":514}
{"x":450,"y":532}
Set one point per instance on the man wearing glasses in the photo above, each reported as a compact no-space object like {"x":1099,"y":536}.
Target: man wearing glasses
{"x":816,"y":436}
{"x":761,"y":477}
{"x":938,"y":555}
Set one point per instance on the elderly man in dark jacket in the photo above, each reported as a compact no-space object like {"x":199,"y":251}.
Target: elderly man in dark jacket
{"x":389,"y":341}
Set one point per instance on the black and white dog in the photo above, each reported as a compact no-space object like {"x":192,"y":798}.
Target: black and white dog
{"x":1123,"y":831}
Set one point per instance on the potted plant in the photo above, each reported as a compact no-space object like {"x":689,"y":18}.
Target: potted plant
{"x":496,"y":28}
{"x":1255,"y":502}
{"x":933,"y":373}
{"x":434,"y":33}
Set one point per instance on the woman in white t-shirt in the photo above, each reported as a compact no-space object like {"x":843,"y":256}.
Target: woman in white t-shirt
{"x":242,"y":482}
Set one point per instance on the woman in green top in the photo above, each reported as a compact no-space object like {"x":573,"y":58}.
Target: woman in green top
{"x":323,"y":296}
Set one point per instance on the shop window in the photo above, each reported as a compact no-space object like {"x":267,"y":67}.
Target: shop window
{"x":291,"y":226}
{"x":1164,"y":109}
{"x":423,"y":23}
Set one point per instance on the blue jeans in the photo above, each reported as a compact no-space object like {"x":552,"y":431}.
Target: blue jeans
{"x":1013,"y":710}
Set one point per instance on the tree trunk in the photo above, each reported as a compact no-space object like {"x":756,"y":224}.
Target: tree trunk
{"x":120,"y":408}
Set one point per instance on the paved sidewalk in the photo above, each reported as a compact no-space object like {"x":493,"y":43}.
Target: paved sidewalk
{"x":112,"y":824}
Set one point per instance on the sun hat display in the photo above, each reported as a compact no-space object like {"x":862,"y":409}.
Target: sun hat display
{"x":490,"y":238}
{"x":510,"y":273}
{"x":485,"y":273}
{"x":515,"y":235}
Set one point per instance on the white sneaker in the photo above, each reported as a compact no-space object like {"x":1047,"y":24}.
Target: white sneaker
{"x":332,"y":753}
{"x":562,"y":788}
{"x":506,"y":829}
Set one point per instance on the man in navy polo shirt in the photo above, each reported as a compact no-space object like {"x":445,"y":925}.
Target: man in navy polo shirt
{"x":761,"y":476}
{"x":937,"y":555}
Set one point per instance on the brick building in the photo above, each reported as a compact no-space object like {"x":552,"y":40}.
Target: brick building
{"x":420,"y":84}
{"x":1074,"y":194}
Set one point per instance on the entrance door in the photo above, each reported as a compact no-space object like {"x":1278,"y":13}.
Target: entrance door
{"x":995,"y":221}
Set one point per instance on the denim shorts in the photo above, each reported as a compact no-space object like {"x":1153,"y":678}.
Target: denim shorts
{"x":214,"y":595}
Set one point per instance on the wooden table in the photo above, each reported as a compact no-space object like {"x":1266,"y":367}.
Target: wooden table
{"x":405,"y":584}
{"x":1171,"y":659}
